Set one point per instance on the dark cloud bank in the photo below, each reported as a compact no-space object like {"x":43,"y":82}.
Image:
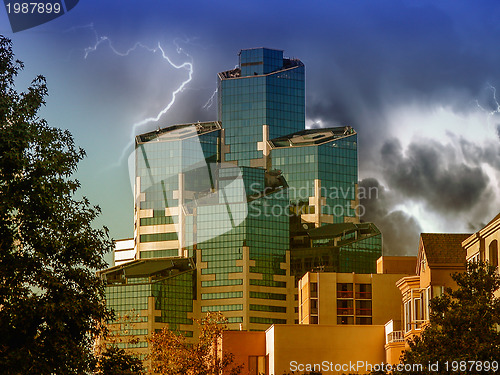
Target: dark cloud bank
{"x":447,"y":180}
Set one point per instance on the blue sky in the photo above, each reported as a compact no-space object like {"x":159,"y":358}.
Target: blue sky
{"x":416,"y":79}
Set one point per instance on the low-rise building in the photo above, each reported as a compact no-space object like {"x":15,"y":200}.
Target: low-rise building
{"x":349,"y":298}
{"x":147,"y":295}
{"x":483,"y":245}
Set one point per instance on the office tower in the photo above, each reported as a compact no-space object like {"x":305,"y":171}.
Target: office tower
{"x":242,"y":199}
{"x":265,"y":90}
{"x":321,"y":170}
{"x":172,"y":168}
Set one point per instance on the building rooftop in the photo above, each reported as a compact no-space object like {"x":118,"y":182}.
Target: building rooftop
{"x":179,"y":132}
{"x":311,"y":137}
{"x":236,"y":72}
{"x":441,"y":248}
{"x":341,"y":229}
{"x":158,"y":267}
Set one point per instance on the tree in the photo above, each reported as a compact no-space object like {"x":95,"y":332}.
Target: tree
{"x":51,"y":300}
{"x":115,"y":361}
{"x":111,"y":359}
{"x":463,"y":325}
{"x":172,"y":355}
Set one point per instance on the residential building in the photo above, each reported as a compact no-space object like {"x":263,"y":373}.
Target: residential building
{"x":483,"y":245}
{"x":439,"y":256}
{"x":348,"y":298}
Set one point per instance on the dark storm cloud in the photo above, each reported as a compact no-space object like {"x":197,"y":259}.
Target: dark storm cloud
{"x":488,"y":153}
{"x":430,"y":172}
{"x":400,"y":231}
{"x":382,"y":55}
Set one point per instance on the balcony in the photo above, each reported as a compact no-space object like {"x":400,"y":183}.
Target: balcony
{"x":363,"y":295}
{"x":344,"y":294}
{"x":364,"y":312}
{"x":395,"y":336}
{"x":345,"y":311}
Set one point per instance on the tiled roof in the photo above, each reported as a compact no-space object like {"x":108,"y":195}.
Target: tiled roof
{"x":444,"y":247}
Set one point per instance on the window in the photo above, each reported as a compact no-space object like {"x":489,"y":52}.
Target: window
{"x":345,"y":307}
{"x":256,"y":365}
{"x":364,"y":308}
{"x":345,"y":320}
{"x":314,"y":306}
{"x":344,"y":290}
{"x":426,"y":297}
{"x":407,"y":314}
{"x":314,"y":290}
{"x":494,"y":253}
{"x":363,"y":291}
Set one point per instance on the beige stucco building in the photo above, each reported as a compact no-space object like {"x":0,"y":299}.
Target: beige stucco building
{"x":349,"y":299}
{"x":483,"y":245}
{"x":302,"y":348}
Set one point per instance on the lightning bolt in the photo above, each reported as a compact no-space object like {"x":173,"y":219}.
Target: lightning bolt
{"x":496,"y":106}
{"x":210,"y":101}
{"x":188,"y":66}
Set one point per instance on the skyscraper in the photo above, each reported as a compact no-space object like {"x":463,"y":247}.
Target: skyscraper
{"x":265,"y":89}
{"x":233,"y":203}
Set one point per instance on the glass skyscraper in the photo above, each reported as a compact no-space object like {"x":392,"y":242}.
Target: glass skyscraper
{"x":242,"y":199}
{"x":266,"y":89}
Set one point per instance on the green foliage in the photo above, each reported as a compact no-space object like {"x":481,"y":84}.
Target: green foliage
{"x":51,"y":301}
{"x":463,"y":323}
{"x":171,"y":354}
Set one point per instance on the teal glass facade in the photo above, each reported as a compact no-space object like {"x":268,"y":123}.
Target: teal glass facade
{"x":342,"y":248}
{"x":265,"y":231}
{"x":334,"y":163}
{"x":160,"y":157}
{"x":169,"y":286}
{"x":267,"y":89}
